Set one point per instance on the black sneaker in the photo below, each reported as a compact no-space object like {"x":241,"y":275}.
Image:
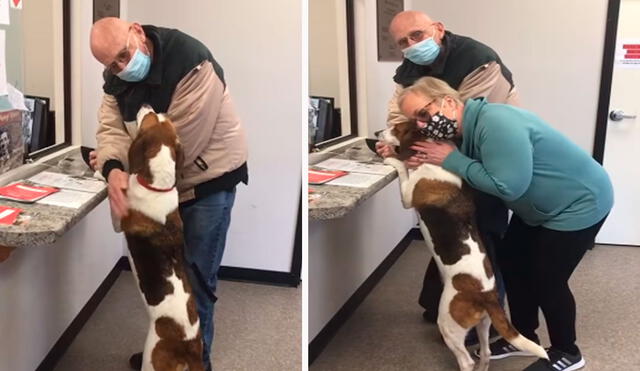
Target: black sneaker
{"x":135,"y":361}
{"x":472,"y":337}
{"x":502,"y":349}
{"x":429,"y":316}
{"x":558,"y":361}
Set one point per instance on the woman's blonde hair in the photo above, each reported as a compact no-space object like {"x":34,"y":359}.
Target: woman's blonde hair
{"x":432,"y":88}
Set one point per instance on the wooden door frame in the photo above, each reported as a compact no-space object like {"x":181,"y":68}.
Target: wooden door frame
{"x":606,"y":77}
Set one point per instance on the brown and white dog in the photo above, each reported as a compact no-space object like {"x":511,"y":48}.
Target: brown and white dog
{"x":447,"y":221}
{"x":153,"y":230}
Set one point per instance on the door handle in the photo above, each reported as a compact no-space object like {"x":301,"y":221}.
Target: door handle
{"x":618,"y":115}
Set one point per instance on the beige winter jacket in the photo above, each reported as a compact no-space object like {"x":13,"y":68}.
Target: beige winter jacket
{"x":485,"y":81}
{"x":207,"y":125}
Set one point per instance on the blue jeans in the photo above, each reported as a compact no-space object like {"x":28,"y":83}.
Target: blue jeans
{"x":206,"y":222}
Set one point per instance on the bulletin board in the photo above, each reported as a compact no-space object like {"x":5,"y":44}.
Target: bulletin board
{"x":388,"y":51}
{"x":105,"y":8}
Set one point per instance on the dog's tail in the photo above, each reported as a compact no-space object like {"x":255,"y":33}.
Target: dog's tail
{"x":510,"y":334}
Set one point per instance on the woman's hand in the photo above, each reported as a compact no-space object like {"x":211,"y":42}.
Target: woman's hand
{"x":384,"y":150}
{"x":430,"y":153}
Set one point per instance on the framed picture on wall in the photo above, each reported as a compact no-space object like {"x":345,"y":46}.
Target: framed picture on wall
{"x":105,"y":8}
{"x":388,"y":51}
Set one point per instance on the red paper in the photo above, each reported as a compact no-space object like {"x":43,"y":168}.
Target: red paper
{"x":25,"y":192}
{"x":323,"y":176}
{"x":8,"y":215}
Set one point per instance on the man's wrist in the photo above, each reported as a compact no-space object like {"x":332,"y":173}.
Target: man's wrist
{"x":110,"y":165}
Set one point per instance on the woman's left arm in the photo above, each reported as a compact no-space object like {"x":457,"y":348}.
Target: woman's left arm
{"x":506,"y":168}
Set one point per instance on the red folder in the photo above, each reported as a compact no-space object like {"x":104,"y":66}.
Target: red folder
{"x":8,"y":215}
{"x":323,"y":176}
{"x":22,"y":192}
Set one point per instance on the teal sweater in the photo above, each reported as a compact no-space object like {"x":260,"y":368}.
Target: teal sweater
{"x":542,"y":176}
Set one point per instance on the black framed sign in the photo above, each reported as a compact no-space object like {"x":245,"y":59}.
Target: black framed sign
{"x":388,"y":51}
{"x":105,"y":8}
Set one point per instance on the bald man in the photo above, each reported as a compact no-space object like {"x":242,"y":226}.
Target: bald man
{"x":176,"y":74}
{"x":475,"y":70}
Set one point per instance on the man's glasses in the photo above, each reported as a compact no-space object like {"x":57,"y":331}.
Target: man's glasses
{"x":122,"y":58}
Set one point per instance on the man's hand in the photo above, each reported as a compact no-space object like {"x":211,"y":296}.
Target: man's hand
{"x":93,"y":160}
{"x":430,"y":152}
{"x":118,"y":184}
{"x":384,"y":150}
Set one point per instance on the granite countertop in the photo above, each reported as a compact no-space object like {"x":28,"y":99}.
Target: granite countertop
{"x":44,"y":224}
{"x":337,"y":201}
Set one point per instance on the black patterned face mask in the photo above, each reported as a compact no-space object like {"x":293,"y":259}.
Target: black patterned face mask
{"x":439,"y":127}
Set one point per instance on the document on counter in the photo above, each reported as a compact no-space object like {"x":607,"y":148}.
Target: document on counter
{"x":64,"y":181}
{"x":67,"y":198}
{"x":357,"y":180}
{"x":355,"y":166}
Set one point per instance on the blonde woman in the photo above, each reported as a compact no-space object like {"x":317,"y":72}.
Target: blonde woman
{"x":559,"y":195}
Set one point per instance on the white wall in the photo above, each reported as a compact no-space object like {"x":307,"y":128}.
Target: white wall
{"x":554,"y":49}
{"x":344,"y":252}
{"x":323,"y":50}
{"x":374,"y":79}
{"x":258,"y":44}
{"x":328,"y":58}
{"x":43,"y":288}
{"x":38,"y":39}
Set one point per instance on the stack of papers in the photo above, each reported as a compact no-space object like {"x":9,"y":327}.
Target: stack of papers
{"x":361,"y":175}
{"x":74,"y":191}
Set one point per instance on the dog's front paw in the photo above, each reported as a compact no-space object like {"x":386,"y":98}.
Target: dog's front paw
{"x":392,"y":161}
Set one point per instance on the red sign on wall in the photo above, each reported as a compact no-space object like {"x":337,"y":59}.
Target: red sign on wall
{"x":16,"y":4}
{"x":628,"y":53}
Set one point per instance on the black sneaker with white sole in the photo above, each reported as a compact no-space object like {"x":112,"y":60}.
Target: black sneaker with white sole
{"x":502,"y":349}
{"x":558,"y":361}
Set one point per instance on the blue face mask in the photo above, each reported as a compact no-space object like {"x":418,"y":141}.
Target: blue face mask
{"x":137,"y":68}
{"x":422,"y":53}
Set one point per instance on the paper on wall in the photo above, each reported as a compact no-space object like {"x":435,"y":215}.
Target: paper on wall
{"x":16,"y":4}
{"x":627,"y":53}
{"x":4,"y":12}
{"x":13,"y":101}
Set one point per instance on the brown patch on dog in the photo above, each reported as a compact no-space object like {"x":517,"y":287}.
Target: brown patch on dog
{"x":152,"y":135}
{"x":449,"y":214}
{"x":167,"y":328}
{"x":487,"y":266}
{"x":407,"y":134}
{"x":156,"y":251}
{"x":172,"y":351}
{"x":430,"y":192}
{"x":192,"y":310}
{"x":468,"y":306}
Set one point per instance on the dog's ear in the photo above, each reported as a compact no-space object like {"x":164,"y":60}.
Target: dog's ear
{"x":137,"y":156}
{"x":179,"y":159}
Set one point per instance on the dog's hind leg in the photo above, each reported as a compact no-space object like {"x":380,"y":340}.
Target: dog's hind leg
{"x":482,"y":329}
{"x":454,"y":336}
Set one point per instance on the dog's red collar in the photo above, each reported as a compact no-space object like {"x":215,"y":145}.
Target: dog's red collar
{"x":143,"y":182}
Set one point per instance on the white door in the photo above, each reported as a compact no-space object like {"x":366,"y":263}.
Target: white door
{"x":622,"y":146}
